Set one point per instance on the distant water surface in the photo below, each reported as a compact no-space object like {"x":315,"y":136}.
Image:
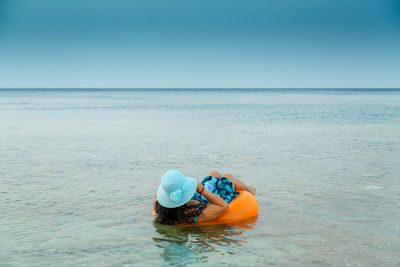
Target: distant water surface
{"x":79,"y":169}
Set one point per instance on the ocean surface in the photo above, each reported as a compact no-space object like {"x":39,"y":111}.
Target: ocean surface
{"x":79,"y":169}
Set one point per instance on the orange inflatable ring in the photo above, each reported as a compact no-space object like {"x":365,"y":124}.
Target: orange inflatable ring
{"x":243,"y":207}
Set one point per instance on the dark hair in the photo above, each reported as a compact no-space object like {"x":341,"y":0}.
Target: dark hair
{"x":183,"y":214}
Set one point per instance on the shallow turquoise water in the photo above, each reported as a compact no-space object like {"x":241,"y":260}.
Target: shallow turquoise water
{"x":79,"y":169}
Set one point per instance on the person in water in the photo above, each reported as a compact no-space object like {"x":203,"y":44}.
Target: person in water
{"x":182,"y":199}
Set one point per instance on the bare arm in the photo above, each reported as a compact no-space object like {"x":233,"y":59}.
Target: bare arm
{"x":214,"y":210}
{"x":154,"y":201}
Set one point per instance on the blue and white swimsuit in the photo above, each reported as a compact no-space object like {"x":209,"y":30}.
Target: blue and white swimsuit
{"x":222,"y":187}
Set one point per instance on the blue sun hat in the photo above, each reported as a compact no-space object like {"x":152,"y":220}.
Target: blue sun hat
{"x":175,"y":189}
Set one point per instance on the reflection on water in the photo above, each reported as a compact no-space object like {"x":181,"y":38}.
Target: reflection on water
{"x":189,"y":244}
{"x":326,"y":172}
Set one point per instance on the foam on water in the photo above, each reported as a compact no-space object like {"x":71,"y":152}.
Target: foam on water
{"x":79,"y":169}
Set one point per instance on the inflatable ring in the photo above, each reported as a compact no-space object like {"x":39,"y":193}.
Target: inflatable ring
{"x":243,"y":207}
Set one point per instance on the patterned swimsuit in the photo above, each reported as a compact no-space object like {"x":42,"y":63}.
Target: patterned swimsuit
{"x":222,"y":187}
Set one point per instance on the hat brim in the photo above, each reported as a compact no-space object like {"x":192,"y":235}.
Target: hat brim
{"x":164,"y":199}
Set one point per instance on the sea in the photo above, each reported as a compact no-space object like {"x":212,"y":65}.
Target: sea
{"x":79,"y":169}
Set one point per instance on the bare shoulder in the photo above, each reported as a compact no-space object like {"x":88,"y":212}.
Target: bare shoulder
{"x":211,"y":212}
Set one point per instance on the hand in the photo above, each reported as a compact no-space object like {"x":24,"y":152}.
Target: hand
{"x":199,"y":187}
{"x":251,"y":190}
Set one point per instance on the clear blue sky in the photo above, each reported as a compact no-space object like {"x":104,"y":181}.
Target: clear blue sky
{"x":202,"y":43}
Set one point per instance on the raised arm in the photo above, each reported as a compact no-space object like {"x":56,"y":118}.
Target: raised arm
{"x":214,"y":210}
